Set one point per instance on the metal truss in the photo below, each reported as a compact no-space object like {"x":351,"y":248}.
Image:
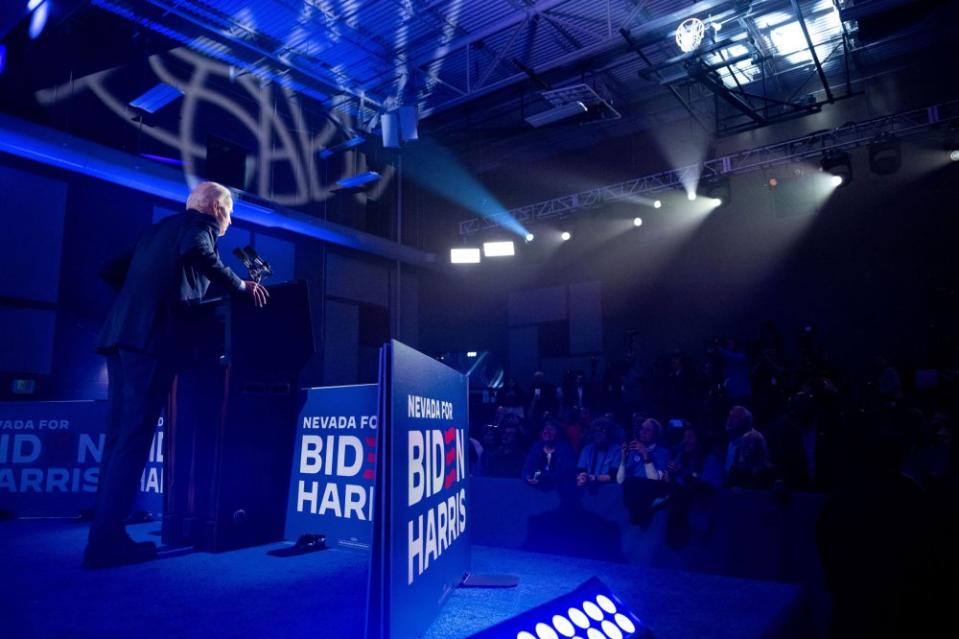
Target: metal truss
{"x":848,"y":136}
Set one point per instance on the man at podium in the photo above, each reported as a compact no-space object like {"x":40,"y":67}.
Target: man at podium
{"x":172,"y":266}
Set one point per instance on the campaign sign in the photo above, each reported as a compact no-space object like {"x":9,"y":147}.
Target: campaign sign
{"x":334,"y":457}
{"x":50,"y":456}
{"x":421,"y":549}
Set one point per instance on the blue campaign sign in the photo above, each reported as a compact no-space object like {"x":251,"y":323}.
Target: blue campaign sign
{"x":149,"y":498}
{"x":334,"y":456}
{"x":421,"y":540}
{"x":50,"y":456}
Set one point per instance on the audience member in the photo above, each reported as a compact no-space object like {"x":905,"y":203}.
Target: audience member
{"x":642,"y":469}
{"x":550,"y":461}
{"x":507,"y":459}
{"x":751,"y":469}
{"x":739,"y":421}
{"x":600,"y":459}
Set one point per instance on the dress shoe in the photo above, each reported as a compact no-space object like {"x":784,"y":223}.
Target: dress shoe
{"x":118,"y":553}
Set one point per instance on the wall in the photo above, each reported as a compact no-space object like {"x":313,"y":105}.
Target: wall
{"x":869,"y":266}
{"x":59,"y":229}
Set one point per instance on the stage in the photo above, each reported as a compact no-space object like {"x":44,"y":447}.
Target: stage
{"x":248,"y":593}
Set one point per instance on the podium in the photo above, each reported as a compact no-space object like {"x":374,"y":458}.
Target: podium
{"x":232,"y":420}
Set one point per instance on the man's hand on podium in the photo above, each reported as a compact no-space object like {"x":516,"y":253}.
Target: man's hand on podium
{"x":256,"y":291}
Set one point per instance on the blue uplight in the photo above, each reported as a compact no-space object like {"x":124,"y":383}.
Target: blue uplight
{"x":592,"y":610}
{"x":39,"y":18}
{"x":3,"y":57}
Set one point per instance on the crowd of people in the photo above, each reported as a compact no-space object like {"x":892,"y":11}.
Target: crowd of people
{"x":756,"y":417}
{"x":877,"y":442}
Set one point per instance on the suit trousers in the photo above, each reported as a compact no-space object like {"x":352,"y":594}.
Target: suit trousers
{"x":139,"y":386}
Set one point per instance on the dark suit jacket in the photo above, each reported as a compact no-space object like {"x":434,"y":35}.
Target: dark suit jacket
{"x":172,"y":266}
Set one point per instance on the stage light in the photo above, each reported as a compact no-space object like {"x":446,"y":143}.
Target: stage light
{"x":156,"y":98}
{"x":836,"y":180}
{"x":564,"y":617}
{"x":691,"y":196}
{"x":839,"y":164}
{"x":566,"y":236}
{"x":33,"y":4}
{"x":954,"y":155}
{"x":717,"y":192}
{"x":657,"y":204}
{"x":39,"y":18}
{"x":330,"y":151}
{"x":465,"y":256}
{"x":773,"y":182}
{"x":530,"y":237}
{"x":471,"y":354}
{"x":498,"y":249}
{"x":637,"y":221}
{"x":689,"y":34}
{"x":3,"y":58}
{"x":885,"y":154}
{"x":355,"y":181}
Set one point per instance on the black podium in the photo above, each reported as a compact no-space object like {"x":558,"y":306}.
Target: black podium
{"x":232,"y":421}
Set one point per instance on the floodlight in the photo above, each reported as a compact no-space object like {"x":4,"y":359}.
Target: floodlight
{"x":465,"y":256}
{"x":591,"y":611}
{"x":885,"y":154}
{"x":838,"y":163}
{"x":498,"y":249}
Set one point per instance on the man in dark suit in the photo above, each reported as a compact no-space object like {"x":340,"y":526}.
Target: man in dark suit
{"x":172,"y":266}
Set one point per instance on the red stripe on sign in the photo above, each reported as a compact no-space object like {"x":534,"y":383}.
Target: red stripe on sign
{"x":450,"y":456}
{"x":450,"y":434}
{"x":368,"y":474}
{"x":371,"y":442}
{"x":450,"y":478}
{"x":371,"y":457}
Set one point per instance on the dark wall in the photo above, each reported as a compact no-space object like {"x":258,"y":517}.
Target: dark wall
{"x":58,"y":230}
{"x":871,"y":266}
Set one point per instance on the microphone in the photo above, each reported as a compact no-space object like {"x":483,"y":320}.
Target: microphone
{"x":258,"y":261}
{"x":244,"y":260}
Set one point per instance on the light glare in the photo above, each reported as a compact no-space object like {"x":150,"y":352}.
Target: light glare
{"x":498,"y":249}
{"x":465,"y":256}
{"x":545,"y":632}
{"x":578,"y":617}
{"x":566,"y":236}
{"x":530,"y":237}
{"x":563,"y":625}
{"x":593,"y":610}
{"x":637,"y":221}
{"x":836,"y":180}
{"x":692,"y":196}
{"x":606,"y":604}
{"x":625,"y":623}
{"x":954,"y":156}
{"x":39,"y":20}
{"x":657,"y":204}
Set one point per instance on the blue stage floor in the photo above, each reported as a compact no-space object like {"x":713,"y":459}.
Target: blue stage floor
{"x":247,"y":593}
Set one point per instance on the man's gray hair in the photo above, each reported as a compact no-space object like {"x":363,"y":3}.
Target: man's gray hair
{"x":204,"y":194}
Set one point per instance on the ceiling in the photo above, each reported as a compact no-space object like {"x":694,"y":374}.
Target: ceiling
{"x":479,"y":67}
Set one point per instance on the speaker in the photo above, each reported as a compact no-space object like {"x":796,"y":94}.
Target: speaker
{"x":390,"y":130}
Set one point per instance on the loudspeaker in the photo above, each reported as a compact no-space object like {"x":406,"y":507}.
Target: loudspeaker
{"x":390,"y":130}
